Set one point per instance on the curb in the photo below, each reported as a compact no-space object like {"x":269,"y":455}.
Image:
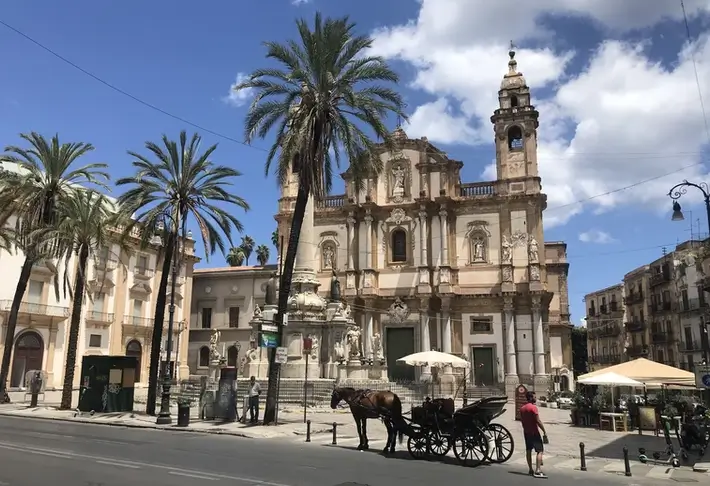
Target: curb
{"x":173,"y":428}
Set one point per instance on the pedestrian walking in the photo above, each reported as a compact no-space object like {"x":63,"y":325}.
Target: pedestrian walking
{"x":534,"y":441}
{"x":254,"y":392}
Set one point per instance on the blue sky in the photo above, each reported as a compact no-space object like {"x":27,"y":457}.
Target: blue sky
{"x":614,"y":82}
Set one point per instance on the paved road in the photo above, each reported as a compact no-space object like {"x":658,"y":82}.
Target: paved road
{"x":35,"y":451}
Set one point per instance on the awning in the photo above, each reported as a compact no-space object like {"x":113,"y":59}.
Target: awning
{"x":647,"y":372}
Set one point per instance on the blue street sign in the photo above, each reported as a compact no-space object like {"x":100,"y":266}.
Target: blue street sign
{"x":268,"y":340}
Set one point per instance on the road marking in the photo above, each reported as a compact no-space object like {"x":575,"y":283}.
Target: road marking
{"x":119,"y":464}
{"x":189,"y":475}
{"x":70,"y":455}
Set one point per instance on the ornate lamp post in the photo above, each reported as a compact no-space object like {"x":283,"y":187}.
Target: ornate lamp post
{"x":164,"y":417}
{"x":680,"y":189}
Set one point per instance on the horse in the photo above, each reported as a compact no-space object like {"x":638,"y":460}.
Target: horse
{"x":365,"y":404}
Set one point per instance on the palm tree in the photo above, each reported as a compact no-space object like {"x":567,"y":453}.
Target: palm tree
{"x":262,"y":254}
{"x":235,"y":257}
{"x":323,"y":95}
{"x":82,"y":230}
{"x":179,"y":184}
{"x":275,"y":239}
{"x":47,"y":179}
{"x":247,"y":247}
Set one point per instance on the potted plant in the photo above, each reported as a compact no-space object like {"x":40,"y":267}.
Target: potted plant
{"x":183,"y":403}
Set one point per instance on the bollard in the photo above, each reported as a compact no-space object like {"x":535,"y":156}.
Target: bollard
{"x":582,"y":459}
{"x":627,"y":466}
{"x":308,"y":431}
{"x":335,"y":433}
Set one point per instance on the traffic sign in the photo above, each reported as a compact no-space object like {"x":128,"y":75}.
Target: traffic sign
{"x":702,"y":376}
{"x":282,"y":355}
{"x":268,"y":340}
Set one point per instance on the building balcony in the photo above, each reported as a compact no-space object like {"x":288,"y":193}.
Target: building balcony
{"x":691,"y":346}
{"x":33,"y":311}
{"x":99,"y":317}
{"x":615,"y":307}
{"x":104,"y":263}
{"x":635,"y":326}
{"x":592,"y":312}
{"x":143,"y":273}
{"x":660,"y":307}
{"x":135,"y":321}
{"x":633,"y":298}
{"x":603,"y":309}
{"x":179,"y":281}
{"x":331,"y":202}
{"x":704,"y":283}
{"x":638,"y":351}
{"x":608,"y":330}
{"x":659,"y":279}
{"x":662,"y":337}
{"x":606,"y":359}
{"x":692,"y":305}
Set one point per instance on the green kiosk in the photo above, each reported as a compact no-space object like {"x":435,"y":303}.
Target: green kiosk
{"x":107,"y":384}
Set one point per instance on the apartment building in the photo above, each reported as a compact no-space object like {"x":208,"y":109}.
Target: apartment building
{"x":117,"y":318}
{"x":605,"y":325}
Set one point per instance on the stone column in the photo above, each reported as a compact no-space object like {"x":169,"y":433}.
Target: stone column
{"x":423,"y":236}
{"x":538,"y":337}
{"x":51,"y":349}
{"x":425,"y":338}
{"x":368,"y":240}
{"x":351,"y":239}
{"x":443,"y":225}
{"x":446,"y":334}
{"x":367,"y":334}
{"x":304,"y":253}
{"x":509,"y":320}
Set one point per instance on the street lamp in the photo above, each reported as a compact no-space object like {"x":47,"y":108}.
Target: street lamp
{"x":679,"y":189}
{"x":164,"y":417}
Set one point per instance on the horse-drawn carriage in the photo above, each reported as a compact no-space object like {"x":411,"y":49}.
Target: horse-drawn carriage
{"x":436,"y":428}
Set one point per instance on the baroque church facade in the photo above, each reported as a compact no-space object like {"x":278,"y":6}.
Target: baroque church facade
{"x":427,"y":261}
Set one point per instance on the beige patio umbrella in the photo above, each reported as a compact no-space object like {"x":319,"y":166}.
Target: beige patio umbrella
{"x":648,"y":372}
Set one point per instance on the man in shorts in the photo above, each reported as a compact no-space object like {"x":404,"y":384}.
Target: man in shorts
{"x":532,"y":425}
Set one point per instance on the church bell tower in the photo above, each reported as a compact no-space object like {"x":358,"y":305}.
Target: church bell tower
{"x":515,"y":124}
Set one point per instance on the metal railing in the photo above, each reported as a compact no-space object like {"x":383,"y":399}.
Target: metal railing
{"x":144,"y":272}
{"x":96,"y":316}
{"x":36,"y":309}
{"x":138,"y":321}
{"x":477,"y":189}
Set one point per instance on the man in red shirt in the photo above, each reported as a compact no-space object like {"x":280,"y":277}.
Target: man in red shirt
{"x":532,"y":425}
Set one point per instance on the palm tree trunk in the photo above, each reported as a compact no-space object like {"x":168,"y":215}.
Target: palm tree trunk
{"x":74,"y":326}
{"x":157,"y":339}
{"x":284,"y":291}
{"x":12,"y":323}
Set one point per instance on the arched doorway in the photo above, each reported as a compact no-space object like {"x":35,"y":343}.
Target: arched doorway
{"x":28,"y":355}
{"x":134,"y":349}
{"x":232,"y":356}
{"x":564,"y":383}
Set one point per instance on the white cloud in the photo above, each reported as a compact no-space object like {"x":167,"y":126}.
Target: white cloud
{"x":621,"y":120}
{"x":596,"y":236}
{"x":582,"y":322}
{"x":300,"y":2}
{"x":241,"y":97}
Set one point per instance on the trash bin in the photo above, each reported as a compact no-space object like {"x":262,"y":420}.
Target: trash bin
{"x":183,"y":418}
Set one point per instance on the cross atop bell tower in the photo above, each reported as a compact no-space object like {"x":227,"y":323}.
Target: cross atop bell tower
{"x":515,"y":124}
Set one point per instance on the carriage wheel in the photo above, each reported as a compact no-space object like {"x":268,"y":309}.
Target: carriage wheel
{"x":500,"y":444}
{"x":439,"y":444}
{"x":417,"y":445}
{"x":471,"y":447}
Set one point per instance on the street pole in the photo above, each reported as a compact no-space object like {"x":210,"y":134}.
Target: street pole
{"x":164,"y":417}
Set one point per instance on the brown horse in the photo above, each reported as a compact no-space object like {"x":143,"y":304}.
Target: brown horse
{"x":365,"y":404}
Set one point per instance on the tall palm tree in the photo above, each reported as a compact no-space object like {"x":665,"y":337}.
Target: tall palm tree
{"x":82,"y":230}
{"x":47,"y":177}
{"x":178,"y":185}
{"x":262,"y":254}
{"x":235,"y":257}
{"x":324,"y":94}
{"x":247,"y":247}
{"x":275,"y":239}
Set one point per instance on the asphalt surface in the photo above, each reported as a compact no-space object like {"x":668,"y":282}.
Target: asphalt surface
{"x":34,"y":452}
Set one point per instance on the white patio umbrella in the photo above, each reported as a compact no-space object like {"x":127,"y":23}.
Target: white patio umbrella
{"x":435,"y":359}
{"x":610,"y":379}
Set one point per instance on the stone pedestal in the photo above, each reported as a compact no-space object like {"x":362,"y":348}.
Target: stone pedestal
{"x":214,"y":368}
{"x":541,"y":383}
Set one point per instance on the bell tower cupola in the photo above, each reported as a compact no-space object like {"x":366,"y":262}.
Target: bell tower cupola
{"x":515,"y":124}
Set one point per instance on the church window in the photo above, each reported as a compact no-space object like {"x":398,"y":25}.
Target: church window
{"x":399,"y":246}
{"x":513,"y":101}
{"x":515,"y":138}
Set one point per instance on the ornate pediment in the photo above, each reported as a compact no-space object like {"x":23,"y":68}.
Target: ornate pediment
{"x":474,"y":227}
{"x":141,"y":288}
{"x":398,"y":311}
{"x":398,"y":216}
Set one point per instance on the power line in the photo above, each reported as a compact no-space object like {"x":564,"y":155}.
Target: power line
{"x":124,"y":92}
{"x":695,"y":69}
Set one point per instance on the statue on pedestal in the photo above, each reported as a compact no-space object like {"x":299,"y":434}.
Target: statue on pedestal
{"x":334,"y":287}
{"x":376,"y":344}
{"x":257,"y":312}
{"x":314,"y":345}
{"x":339,"y":351}
{"x":532,"y":249}
{"x":270,"y":298}
{"x":353,"y":338}
{"x":251,"y":355}
{"x":214,"y":341}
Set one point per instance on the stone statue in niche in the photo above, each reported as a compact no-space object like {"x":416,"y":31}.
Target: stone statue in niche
{"x":353,"y":339}
{"x":257,"y":312}
{"x":534,"y":273}
{"x":479,"y":249}
{"x":398,"y":176}
{"x":315,"y":343}
{"x":334,"y":287}
{"x":506,"y":251}
{"x":328,"y":257}
{"x":532,"y":250}
{"x":507,"y":274}
{"x":376,"y":344}
{"x":270,"y":297}
{"x":339,"y":351}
